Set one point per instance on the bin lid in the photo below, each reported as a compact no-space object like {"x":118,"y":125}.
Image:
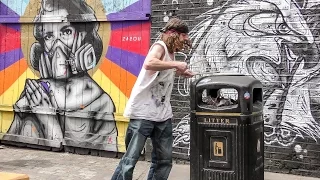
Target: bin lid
{"x":231,"y":80}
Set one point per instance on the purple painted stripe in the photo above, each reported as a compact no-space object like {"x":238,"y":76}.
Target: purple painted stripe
{"x":9,"y":58}
{"x":141,"y":5}
{"x":5,"y":10}
{"x":127,"y":60}
{"x":129,"y":16}
{"x":9,"y":19}
{"x":14,"y":26}
{"x":124,"y":24}
{"x":147,"y":5}
{"x":7,"y":15}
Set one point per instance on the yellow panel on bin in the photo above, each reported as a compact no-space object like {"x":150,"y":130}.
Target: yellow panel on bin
{"x":13,"y":176}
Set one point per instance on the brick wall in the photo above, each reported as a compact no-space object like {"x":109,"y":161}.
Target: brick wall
{"x":274,"y":41}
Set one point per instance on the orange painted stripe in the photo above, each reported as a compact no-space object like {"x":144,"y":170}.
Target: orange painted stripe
{"x":9,"y":75}
{"x":123,"y":79}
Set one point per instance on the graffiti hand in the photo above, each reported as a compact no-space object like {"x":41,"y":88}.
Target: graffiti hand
{"x":37,"y":96}
{"x":48,"y":100}
{"x":44,"y":65}
{"x":32,"y":93}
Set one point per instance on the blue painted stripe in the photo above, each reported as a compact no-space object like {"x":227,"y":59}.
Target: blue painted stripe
{"x":14,"y":26}
{"x":127,"y":60}
{"x":9,"y":58}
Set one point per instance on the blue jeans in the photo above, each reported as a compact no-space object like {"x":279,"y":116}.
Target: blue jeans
{"x":137,"y":133}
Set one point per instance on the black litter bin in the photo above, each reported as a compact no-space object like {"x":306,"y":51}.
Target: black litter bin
{"x":226,"y":128}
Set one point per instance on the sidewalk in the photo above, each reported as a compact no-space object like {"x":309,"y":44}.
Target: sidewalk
{"x":47,"y":165}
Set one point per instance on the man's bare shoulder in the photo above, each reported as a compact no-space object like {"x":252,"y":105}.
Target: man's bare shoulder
{"x":157,"y":47}
{"x":157,"y":51}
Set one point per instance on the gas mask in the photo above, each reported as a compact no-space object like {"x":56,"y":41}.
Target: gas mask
{"x":60,"y":61}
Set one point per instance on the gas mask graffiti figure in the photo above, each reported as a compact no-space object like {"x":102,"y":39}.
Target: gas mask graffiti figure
{"x":67,"y":106}
{"x":64,"y":52}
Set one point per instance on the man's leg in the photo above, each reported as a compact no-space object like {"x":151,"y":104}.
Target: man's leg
{"x":153,"y":164}
{"x":137,"y":133}
{"x":162,"y":151}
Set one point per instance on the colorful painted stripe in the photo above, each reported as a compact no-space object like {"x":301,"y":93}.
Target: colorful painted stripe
{"x":112,"y":6}
{"x":7,"y":15}
{"x":140,"y":10}
{"x":123,"y":79}
{"x":116,"y":25}
{"x":11,"y":95}
{"x":16,"y":6}
{"x":142,"y":5}
{"x":11,"y":74}
{"x":14,"y":26}
{"x":10,"y":57}
{"x":127,"y":60}
{"x":133,"y":38}
{"x":5,"y":10}
{"x":9,"y":39}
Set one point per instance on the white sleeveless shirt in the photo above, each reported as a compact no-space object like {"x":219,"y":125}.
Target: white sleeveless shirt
{"x":150,"y":96}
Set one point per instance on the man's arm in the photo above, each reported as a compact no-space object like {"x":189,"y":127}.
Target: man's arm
{"x":153,"y":61}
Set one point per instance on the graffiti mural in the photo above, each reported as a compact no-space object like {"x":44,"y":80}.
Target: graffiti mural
{"x":74,"y":69}
{"x":284,"y":56}
{"x":182,"y":131}
{"x":275,"y":41}
{"x":63,"y":54}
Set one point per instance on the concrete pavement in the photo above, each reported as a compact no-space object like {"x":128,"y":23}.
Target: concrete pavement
{"x":47,"y":165}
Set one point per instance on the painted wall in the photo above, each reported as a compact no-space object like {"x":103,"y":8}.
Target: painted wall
{"x":275,"y":41}
{"x":67,"y":69}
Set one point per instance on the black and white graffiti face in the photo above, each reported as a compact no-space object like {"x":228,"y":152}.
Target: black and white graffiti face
{"x":58,"y":40}
{"x":263,"y":39}
{"x":64,"y":49}
{"x":58,"y":31}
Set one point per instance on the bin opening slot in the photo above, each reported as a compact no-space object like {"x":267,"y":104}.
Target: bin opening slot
{"x":219,"y":98}
{"x":257,"y":97}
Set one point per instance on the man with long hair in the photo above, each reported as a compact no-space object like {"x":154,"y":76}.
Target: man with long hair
{"x":149,"y":107}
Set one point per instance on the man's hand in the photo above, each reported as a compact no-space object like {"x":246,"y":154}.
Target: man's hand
{"x":187,"y":73}
{"x":181,"y":66}
{"x":155,"y":62}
